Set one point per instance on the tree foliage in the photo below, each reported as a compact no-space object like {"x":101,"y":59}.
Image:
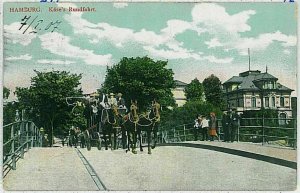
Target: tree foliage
{"x":213,"y":90}
{"x":188,"y":113}
{"x":6,"y":92}
{"x":45,"y":99}
{"x":141,"y":79}
{"x":194,"y":90}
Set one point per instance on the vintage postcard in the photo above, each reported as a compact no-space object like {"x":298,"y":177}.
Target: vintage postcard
{"x":160,"y":96}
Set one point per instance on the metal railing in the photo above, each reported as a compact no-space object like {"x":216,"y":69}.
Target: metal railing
{"x":18,"y":138}
{"x":274,"y":131}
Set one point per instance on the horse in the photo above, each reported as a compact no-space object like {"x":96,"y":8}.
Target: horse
{"x":112,"y":124}
{"x":130,"y":124}
{"x":148,"y":122}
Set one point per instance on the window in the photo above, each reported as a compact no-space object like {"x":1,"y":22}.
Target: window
{"x":273,"y":102}
{"x":253,"y":102}
{"x":266,"y":101}
{"x":282,"y":101}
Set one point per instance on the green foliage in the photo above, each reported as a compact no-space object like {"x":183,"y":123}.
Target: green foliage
{"x":213,"y":91}
{"x":141,"y":79}
{"x":6,"y":92}
{"x":187,"y":114}
{"x":44,"y":100}
{"x":194,"y":90}
{"x":9,"y":112}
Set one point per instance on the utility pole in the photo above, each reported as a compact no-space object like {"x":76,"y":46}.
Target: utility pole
{"x":249,"y":57}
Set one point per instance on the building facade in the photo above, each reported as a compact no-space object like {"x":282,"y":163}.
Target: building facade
{"x":253,"y":90}
{"x":179,"y":93}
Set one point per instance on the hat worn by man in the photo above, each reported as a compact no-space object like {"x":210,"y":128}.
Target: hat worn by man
{"x":111,"y":94}
{"x":119,"y":94}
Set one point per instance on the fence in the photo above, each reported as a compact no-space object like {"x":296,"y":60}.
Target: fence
{"x":273,"y":131}
{"x":18,"y":138}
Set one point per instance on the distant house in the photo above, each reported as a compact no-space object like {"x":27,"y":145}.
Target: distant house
{"x":179,"y":93}
{"x":252,"y":90}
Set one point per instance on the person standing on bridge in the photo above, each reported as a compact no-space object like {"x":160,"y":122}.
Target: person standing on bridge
{"x":204,"y":130}
{"x":197,"y":127}
{"x":226,"y":125}
{"x":235,"y":119}
{"x":212,"y":126}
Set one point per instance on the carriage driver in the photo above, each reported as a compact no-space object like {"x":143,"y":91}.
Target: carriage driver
{"x":120,"y":101}
{"x":112,"y":101}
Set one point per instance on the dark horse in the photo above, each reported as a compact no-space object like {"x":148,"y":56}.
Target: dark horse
{"x":112,"y":125}
{"x":147,"y":122}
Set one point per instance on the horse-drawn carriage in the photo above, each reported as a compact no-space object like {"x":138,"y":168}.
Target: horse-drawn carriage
{"x":92,"y":137}
{"x":112,"y":124}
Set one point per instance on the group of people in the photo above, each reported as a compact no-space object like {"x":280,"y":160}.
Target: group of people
{"x":110,"y":101}
{"x":230,"y":123}
{"x":208,"y":126}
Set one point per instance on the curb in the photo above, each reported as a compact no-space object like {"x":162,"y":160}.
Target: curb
{"x":273,"y":160}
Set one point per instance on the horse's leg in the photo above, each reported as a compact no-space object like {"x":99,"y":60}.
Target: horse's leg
{"x":115,"y":137}
{"x":140,"y":139}
{"x":149,"y":139}
{"x":134,"y":140}
{"x":129,"y":142}
{"x":155,"y":130}
{"x":123,"y":137}
{"x":111,"y":138}
{"x":105,"y":138}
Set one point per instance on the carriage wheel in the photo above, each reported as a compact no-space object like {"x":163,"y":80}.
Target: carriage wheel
{"x":88,"y":145}
{"x":99,"y":144}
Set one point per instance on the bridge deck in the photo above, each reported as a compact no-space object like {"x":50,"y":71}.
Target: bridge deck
{"x":49,"y":169}
{"x":168,"y":168}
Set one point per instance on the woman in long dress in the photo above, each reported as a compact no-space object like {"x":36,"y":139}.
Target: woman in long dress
{"x":212,"y":126}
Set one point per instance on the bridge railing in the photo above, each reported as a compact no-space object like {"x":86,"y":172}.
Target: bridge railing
{"x":18,"y":138}
{"x":274,"y":131}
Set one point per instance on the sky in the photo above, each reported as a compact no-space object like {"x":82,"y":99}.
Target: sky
{"x":197,"y":39}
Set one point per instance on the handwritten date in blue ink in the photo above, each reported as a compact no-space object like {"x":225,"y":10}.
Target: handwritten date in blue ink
{"x":33,"y":25}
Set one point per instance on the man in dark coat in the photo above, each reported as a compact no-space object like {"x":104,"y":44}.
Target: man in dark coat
{"x":226,"y":125}
{"x":235,"y":119}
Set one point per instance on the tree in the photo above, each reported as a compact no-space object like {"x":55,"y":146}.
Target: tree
{"x":141,"y":79}
{"x":194,"y":90}
{"x":188,"y":113}
{"x":6,"y":92}
{"x":213,"y":90}
{"x":45,"y":99}
{"x":9,"y":108}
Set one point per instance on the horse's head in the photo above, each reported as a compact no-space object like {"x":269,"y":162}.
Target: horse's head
{"x":155,"y":111}
{"x":133,"y":111}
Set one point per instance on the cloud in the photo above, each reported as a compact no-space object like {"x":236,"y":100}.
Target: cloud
{"x":14,"y":35}
{"x":263,"y":41}
{"x":227,"y":30}
{"x":44,"y":61}
{"x":215,"y":16}
{"x":150,"y":41}
{"x":287,"y":52}
{"x":120,"y":5}
{"x":59,"y":44}
{"x":212,"y":43}
{"x":213,"y":59}
{"x":224,"y":27}
{"x":21,"y":57}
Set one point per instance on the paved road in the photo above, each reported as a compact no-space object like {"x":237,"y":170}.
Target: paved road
{"x":184,"y":168}
{"x":49,"y":169}
{"x":168,"y":168}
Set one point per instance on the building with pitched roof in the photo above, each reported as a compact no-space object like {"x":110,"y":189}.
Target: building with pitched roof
{"x":253,"y":90}
{"x":179,"y":93}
